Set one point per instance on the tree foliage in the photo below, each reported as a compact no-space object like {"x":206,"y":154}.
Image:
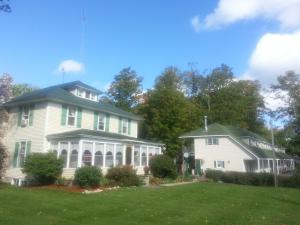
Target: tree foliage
{"x":288,"y":89}
{"x":125,"y":89}
{"x":20,"y":89}
{"x":6,"y":82}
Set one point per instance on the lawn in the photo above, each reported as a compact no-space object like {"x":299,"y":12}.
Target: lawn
{"x":200,"y":203}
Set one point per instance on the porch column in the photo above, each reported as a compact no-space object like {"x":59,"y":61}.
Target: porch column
{"x":277,"y":166}
{"x":80,"y":153}
{"x":114,"y":155}
{"x":104,"y":155}
{"x":58,"y":150}
{"x":147,"y":155}
{"x":93,"y":153}
{"x":124,"y":155}
{"x":269,"y":169}
{"x":68,"y":154}
{"x":258,"y":165}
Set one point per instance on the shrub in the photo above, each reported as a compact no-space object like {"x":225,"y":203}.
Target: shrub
{"x":88,"y":176}
{"x":44,"y":168}
{"x":3,"y":156}
{"x":124,"y":176}
{"x":162,"y":166}
{"x":257,"y":179}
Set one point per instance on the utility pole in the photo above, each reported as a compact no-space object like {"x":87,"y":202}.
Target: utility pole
{"x":274,"y":159}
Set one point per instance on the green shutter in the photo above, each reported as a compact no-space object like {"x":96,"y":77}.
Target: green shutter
{"x":107,"y":123}
{"x":63,"y":120}
{"x":19,"y":116}
{"x":215,"y":164}
{"x":15,"y":160}
{"x":79,"y":117}
{"x":28,"y":148}
{"x":31,"y":111}
{"x":120,"y":125}
{"x":96,"y":114}
{"x":129,"y":127}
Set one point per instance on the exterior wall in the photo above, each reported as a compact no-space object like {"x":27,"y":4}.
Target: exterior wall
{"x":228,"y":151}
{"x":34,"y":133}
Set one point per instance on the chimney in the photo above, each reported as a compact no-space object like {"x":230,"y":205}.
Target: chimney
{"x":205,"y":123}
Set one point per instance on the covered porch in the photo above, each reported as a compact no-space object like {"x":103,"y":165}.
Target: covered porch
{"x":103,"y":152}
{"x":282,"y":166}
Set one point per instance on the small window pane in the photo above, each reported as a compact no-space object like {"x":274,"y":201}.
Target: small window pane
{"x":63,"y":156}
{"x":98,"y":159}
{"x":109,"y":159}
{"x":73,"y":158}
{"x":87,"y":158}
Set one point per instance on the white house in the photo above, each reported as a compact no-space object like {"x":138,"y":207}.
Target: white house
{"x":69,"y":120}
{"x":230,"y":148}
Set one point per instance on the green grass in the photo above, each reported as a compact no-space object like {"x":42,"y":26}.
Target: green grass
{"x":203,"y":203}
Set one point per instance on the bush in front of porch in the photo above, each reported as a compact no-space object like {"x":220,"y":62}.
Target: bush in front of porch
{"x":162,"y":166}
{"x":44,"y":168}
{"x":123,"y":176}
{"x":88,"y":177}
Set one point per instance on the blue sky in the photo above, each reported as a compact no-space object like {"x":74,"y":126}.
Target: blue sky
{"x":147,"y":35}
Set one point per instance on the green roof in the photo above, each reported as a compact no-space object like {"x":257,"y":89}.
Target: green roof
{"x":80,"y":133}
{"x":237,"y":134}
{"x":59,"y":94}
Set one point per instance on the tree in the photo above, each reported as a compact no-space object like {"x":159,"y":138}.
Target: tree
{"x":168,"y":113}
{"x":288,"y":89}
{"x":4,"y":6}
{"x":20,"y":89}
{"x":125,"y":89}
{"x":5,"y":88}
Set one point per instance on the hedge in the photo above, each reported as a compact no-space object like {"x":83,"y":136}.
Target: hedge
{"x":257,"y":179}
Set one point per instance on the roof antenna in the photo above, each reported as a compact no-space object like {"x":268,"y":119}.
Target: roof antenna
{"x":205,"y":123}
{"x":82,"y":44}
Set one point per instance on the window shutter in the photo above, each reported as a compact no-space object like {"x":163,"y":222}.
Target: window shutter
{"x":28,"y":148}
{"x":129,"y":127}
{"x":63,"y":120}
{"x":120,"y":125}
{"x":215,"y":164}
{"x":19,"y":116}
{"x":96,"y":114}
{"x":15,"y":160}
{"x":79,"y":117}
{"x":31,"y":111}
{"x":107,"y":123}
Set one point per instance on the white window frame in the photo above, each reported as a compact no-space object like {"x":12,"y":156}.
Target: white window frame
{"x":19,"y":151}
{"x":217,"y":164}
{"x":125,"y":124}
{"x":80,"y":93}
{"x":25,"y":117}
{"x":212,"y":141}
{"x":75,"y":116}
{"x":104,"y":122}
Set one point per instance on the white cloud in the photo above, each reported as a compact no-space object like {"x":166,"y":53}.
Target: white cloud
{"x":272,"y":99}
{"x":274,"y":55}
{"x":195,"y":23}
{"x":71,"y":66}
{"x":286,"y":12}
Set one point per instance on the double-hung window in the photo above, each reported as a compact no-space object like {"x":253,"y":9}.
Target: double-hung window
{"x":101,"y":121}
{"x":71,"y":116}
{"x":22,"y":154}
{"x":212,"y":141}
{"x":219,"y":164}
{"x":124,"y":126}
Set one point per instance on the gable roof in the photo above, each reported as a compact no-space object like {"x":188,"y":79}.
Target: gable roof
{"x":58,"y":94}
{"x":80,"y":133}
{"x":237,"y":134}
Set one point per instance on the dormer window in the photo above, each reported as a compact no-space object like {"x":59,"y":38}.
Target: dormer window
{"x":88,"y":94}
{"x":80,"y":93}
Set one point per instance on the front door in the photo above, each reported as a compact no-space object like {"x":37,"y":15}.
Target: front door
{"x":128,"y":155}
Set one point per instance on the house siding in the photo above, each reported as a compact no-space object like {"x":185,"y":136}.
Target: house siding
{"x":227,"y":150}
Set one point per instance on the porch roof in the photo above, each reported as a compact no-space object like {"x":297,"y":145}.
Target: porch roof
{"x":95,"y":134}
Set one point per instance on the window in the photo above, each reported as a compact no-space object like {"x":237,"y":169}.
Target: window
{"x":71,"y":116}
{"x":80,"y":93}
{"x":109,"y":159}
{"x":219,"y":164}
{"x":119,"y":159}
{"x":98,"y":161}
{"x":212,"y":141}
{"x":101,"y":121}
{"x":25,"y":116}
{"x":119,"y":155}
{"x":22,"y":154}
{"x":73,"y":159}
{"x":124,"y":127}
{"x":87,"y":158}
{"x":87,"y":94}
{"x":63,"y":156}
